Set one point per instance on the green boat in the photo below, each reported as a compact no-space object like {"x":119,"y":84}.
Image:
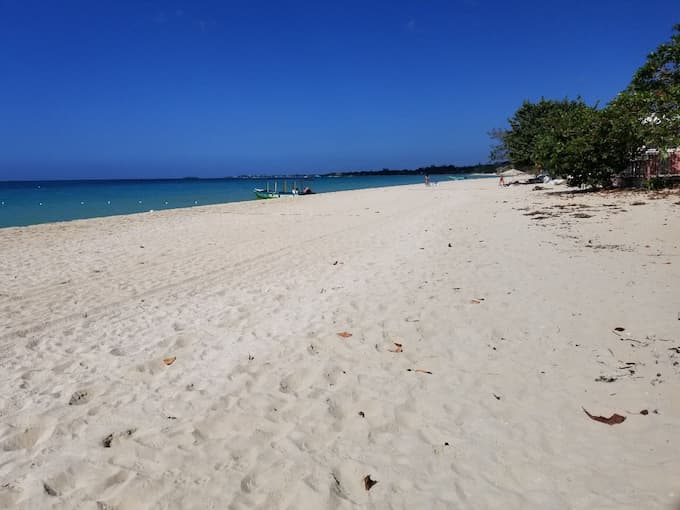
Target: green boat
{"x":263,"y":193}
{"x":266,"y":192}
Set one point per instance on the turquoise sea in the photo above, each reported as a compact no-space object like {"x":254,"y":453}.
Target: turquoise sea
{"x":33,"y":202}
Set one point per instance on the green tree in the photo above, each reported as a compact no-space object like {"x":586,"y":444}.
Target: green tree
{"x":586,"y":145}
{"x":528,"y":125}
{"x":651,"y":103}
{"x":570,"y":139}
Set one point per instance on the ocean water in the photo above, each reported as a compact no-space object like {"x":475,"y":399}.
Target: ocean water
{"x":33,"y":202}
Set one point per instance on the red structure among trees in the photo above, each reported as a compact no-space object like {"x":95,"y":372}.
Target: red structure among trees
{"x":655,"y":163}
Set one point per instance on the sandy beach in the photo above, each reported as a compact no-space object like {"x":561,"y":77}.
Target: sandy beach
{"x":442,"y":341}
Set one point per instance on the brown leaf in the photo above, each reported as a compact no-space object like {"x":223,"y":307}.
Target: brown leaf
{"x":368,"y":482}
{"x":614,"y":419}
{"x":344,"y":334}
{"x":399,"y":348}
{"x":475,"y":301}
{"x":169,"y":361}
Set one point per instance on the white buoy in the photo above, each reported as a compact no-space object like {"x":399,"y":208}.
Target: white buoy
{"x":166,"y":203}
{"x":139,"y":202}
{"x":40,"y":203}
{"x":108,"y":202}
{"x":195,"y":202}
{"x":82,"y":203}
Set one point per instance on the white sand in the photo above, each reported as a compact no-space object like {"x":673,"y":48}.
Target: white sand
{"x":261,"y":408}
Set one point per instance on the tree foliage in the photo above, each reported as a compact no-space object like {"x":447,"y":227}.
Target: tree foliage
{"x":587,"y":144}
{"x":651,"y":103}
{"x":570,"y":139}
{"x":530,"y":128}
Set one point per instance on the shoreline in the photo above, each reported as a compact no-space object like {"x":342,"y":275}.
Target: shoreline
{"x":190,"y":207}
{"x":504,"y":303}
{"x":106,"y":202}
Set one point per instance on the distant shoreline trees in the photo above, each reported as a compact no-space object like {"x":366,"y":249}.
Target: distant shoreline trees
{"x":588,"y":144}
{"x":481,"y":168}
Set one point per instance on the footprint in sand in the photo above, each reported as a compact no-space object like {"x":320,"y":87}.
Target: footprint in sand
{"x":28,"y":433}
{"x":347,"y":481}
{"x":60,"y":484}
{"x":291,"y":383}
{"x":114,"y":438}
{"x":80,"y":397}
{"x":249,"y":483}
{"x":9,"y":495}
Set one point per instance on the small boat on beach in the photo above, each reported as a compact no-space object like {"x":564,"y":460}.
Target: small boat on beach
{"x":263,"y":193}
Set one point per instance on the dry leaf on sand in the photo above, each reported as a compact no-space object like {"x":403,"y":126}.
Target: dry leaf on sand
{"x":368,"y":482}
{"x":614,"y":419}
{"x":421,"y":370}
{"x":169,"y":361}
{"x":344,"y":334}
{"x":398,"y":348}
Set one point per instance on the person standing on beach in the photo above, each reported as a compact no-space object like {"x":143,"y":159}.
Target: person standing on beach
{"x":427,"y":180}
{"x":501,"y":182}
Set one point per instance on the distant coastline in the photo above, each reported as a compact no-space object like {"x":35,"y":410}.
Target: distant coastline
{"x":481,"y":168}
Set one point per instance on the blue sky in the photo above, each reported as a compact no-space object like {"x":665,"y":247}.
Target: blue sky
{"x":107,"y":89}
